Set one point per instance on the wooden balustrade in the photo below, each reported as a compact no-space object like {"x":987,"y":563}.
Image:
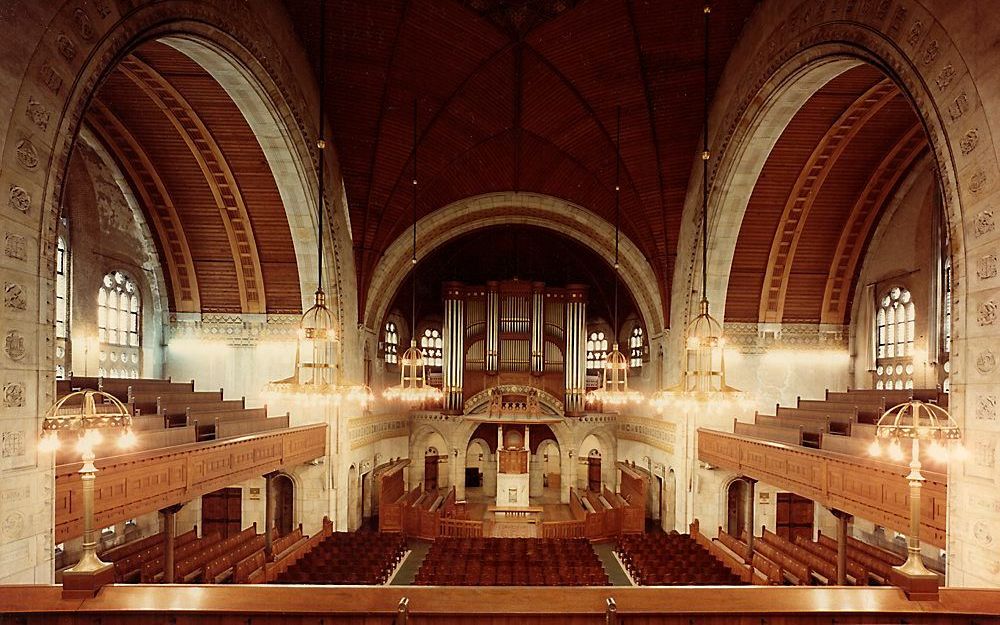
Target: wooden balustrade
{"x":289,"y":605}
{"x":460,"y":528}
{"x":563,"y":529}
{"x":873,"y":490}
{"x":133,"y":484}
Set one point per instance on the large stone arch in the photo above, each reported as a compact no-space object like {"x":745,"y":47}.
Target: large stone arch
{"x":531,"y":209}
{"x":787,"y":45}
{"x":55,"y":65}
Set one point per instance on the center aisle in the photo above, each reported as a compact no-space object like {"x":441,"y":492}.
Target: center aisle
{"x":616,"y":574}
{"x":408,"y":569}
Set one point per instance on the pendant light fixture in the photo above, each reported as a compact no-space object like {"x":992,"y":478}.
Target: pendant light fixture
{"x":703,"y":385}
{"x":413,"y":388}
{"x":315,"y":378}
{"x":614,"y":390}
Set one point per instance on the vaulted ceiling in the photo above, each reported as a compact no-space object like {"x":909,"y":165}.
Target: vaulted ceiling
{"x":517,"y":95}
{"x":818,"y":198}
{"x":203,"y":181}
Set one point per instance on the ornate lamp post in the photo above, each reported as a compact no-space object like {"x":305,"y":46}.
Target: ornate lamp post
{"x":87,"y":414}
{"x":916,"y":422}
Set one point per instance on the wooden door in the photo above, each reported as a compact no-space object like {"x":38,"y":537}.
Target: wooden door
{"x":735,"y":508}
{"x":795,"y":516}
{"x":430,"y":472}
{"x":594,"y":474}
{"x":284,"y":498}
{"x":222,"y":512}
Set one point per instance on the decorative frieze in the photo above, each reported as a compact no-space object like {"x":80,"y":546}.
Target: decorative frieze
{"x":753,"y":338}
{"x":659,"y":434}
{"x":234,"y":329}
{"x":366,"y":431}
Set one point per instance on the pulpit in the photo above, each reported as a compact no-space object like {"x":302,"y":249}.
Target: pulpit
{"x":512,"y":468}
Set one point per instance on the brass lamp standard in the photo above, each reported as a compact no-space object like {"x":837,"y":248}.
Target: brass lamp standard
{"x":86,"y":414}
{"x":917,"y":422}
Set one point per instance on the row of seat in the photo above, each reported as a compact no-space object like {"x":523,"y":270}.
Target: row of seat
{"x":470,"y":561}
{"x":659,"y":559}
{"x":348,"y":558}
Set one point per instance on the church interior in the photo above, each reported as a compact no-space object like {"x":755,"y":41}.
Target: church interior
{"x":496,"y":311}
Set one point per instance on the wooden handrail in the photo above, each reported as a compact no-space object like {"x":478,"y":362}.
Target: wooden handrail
{"x":271,"y":605}
{"x":870,"y":489}
{"x":133,"y":484}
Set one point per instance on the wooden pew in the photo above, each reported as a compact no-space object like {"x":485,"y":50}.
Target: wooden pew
{"x":149,"y":401}
{"x":778,"y":434}
{"x":837,"y":421}
{"x":817,"y":565}
{"x":790,"y":567}
{"x":865,"y":411}
{"x":191,"y":567}
{"x":874,"y":565}
{"x":228,"y":428}
{"x":812,"y":429}
{"x":854,"y":569}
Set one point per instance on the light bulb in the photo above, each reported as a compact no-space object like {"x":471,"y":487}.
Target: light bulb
{"x":875,"y":450}
{"x":937,"y":452}
{"x":127,"y":439}
{"x":49,"y":442}
{"x":895,"y":451}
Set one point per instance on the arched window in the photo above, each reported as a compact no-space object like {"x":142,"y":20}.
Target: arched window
{"x":895,"y":325}
{"x":635,"y":347}
{"x":118,"y":313}
{"x":62,"y":288}
{"x":597,"y":350}
{"x":432,"y":346}
{"x":391,"y":352}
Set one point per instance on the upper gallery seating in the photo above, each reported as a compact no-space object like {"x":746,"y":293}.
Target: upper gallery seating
{"x":348,"y":558}
{"x":660,"y":559}
{"x":511,"y":562}
{"x":167,"y":413}
{"x":842,"y":422}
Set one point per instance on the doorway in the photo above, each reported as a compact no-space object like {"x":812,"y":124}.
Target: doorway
{"x":795,"y":515}
{"x":431,"y":469}
{"x":594,"y":471}
{"x":222,"y":512}
{"x":736,"y":506}
{"x":284,"y":504}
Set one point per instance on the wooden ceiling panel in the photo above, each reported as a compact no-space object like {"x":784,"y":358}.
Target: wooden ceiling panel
{"x":240,"y":176}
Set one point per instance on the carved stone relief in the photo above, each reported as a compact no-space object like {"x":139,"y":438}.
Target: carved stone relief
{"x":15,"y":246}
{"x":931,"y":53}
{"x":959,"y":106}
{"x":12,"y":444}
{"x":37,"y":113}
{"x":969,"y":141}
{"x":84,"y":27}
{"x":986,"y":267}
{"x":13,"y":296}
{"x":19,"y":199}
{"x":50,"y":78}
{"x":66,"y":47}
{"x":977,"y":181}
{"x":945,"y":76}
{"x":27,"y":155}
{"x":985,"y":222}
{"x":14,"y":345}
{"x":981,"y":531}
{"x":12,"y":526}
{"x":986,"y":408}
{"x":13,"y":395}
{"x":986,"y":361}
{"x":987,"y":313}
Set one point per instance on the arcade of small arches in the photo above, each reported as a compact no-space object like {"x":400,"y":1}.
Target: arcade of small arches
{"x":163,"y":228}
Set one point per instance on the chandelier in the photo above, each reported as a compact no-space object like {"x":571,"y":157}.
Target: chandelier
{"x":614,"y":390}
{"x":703,"y":385}
{"x":413,"y":388}
{"x":917,"y":422}
{"x":314,"y":380}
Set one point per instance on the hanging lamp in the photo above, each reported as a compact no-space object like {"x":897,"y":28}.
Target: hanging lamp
{"x":413,"y":388}
{"x":703,"y":386}
{"x":315,"y":380}
{"x":614,"y":390}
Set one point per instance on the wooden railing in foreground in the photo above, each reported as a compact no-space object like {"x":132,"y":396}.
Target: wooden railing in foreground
{"x":380,"y":605}
{"x":873,"y":490}
{"x":133,"y":484}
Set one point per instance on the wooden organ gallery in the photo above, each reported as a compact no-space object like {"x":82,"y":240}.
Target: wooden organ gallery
{"x":493,"y":311}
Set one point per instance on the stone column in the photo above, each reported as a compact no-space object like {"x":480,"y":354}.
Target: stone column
{"x":575,"y":358}
{"x":748,"y":514}
{"x":169,"y":532}
{"x":842,"y":520}
{"x":453,"y":351}
{"x":269,"y":512}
